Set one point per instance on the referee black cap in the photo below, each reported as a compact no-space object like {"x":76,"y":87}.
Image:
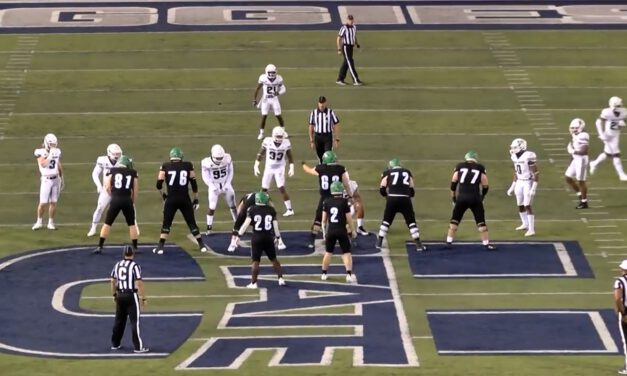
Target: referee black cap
{"x":322,"y":99}
{"x":128,"y":251}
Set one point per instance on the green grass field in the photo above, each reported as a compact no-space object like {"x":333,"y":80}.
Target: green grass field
{"x":429,"y":98}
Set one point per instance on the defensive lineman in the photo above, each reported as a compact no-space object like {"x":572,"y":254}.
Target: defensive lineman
{"x":525,"y":183}
{"x":577,"y":171}
{"x":469,"y":186}
{"x":49,"y":163}
{"x":397,"y":186}
{"x":104,"y":164}
{"x":217,"y":173}
{"x":609,"y":125}
{"x":265,"y":233}
{"x":328,"y":172}
{"x":178,"y":175}
{"x":276,"y":149}
{"x":358,"y":209}
{"x":336,"y":215}
{"x":272,"y":84}
{"x":123,"y":187}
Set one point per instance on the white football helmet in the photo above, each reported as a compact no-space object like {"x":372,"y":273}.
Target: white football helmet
{"x":576,"y":126}
{"x":271,"y":71}
{"x":217,"y":153}
{"x":518,"y":145}
{"x":50,"y":141}
{"x":278,"y":134}
{"x":114,"y":152}
{"x":616,"y":102}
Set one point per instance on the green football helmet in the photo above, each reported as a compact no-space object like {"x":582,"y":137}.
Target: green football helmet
{"x":176,"y":153}
{"x":329,"y":157}
{"x":337,"y":188}
{"x":471,"y":156}
{"x":261,"y":198}
{"x":394,"y":163}
{"x":126,"y":161}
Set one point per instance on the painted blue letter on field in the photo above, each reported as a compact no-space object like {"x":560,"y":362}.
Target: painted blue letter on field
{"x":374,"y":326}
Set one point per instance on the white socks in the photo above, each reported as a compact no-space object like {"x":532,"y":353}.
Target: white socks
{"x":209,"y":220}
{"x":600,"y":158}
{"x":288,"y":204}
{"x":531,"y":222}
{"x":618,"y":166}
{"x":524,"y":218}
{"x":360,"y":222}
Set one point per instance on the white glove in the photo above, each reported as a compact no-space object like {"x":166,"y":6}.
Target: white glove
{"x":256,"y":169}
{"x":99,"y":189}
{"x":570,"y":148}
{"x":602,"y":137}
{"x":290,"y":171}
{"x":534,"y":187}
{"x":510,"y":191}
{"x":61,"y":184}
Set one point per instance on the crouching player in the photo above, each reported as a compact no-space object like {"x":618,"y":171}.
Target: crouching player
{"x":265,"y":232}
{"x":242,"y":210}
{"x":336,"y":215}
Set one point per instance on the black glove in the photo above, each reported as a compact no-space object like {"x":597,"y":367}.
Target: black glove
{"x":357,"y":45}
{"x":196,"y":204}
{"x":254,"y":103}
{"x":454,"y":199}
{"x":164,"y":196}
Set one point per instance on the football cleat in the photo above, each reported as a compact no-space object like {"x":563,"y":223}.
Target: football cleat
{"x":37,"y":226}
{"x":582,"y":205}
{"x":342,"y":83}
{"x":209,"y":228}
{"x":379,"y":244}
{"x":252,"y":285}
{"x":115,"y":347}
{"x":521,"y":227}
{"x":324,"y":276}
{"x":593,"y":167}
{"x":623,"y":177}
{"x":92,"y":231}
{"x":97,"y":251}
{"x":448,"y":245}
{"x":310,"y":245}
{"x":490,"y":247}
{"x":288,"y":213}
{"x":204,"y":249}
{"x":530,"y":233}
{"x":622,"y":371}
{"x":358,"y":83}
{"x":142,"y":350}
{"x":51,"y":226}
{"x":419,"y":246}
{"x":350,"y":278}
{"x":157,"y":251}
{"x":281,"y":281}
{"x":362,"y":231}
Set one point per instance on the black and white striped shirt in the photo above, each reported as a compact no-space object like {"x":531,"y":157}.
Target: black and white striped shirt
{"x":348,"y":35}
{"x":323,"y":121}
{"x":126,"y":272}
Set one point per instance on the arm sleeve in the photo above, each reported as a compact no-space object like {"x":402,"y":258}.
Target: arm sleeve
{"x":334,"y":118}
{"x":138,"y":272}
{"x":242,"y":230}
{"x":194,"y":184}
{"x":113,"y":271}
{"x":312,"y":116}
{"x":275,"y":224}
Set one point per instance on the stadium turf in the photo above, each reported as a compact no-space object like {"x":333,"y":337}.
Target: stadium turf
{"x":429,"y":98}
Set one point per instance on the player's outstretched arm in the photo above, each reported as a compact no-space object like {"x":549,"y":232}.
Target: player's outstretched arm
{"x":277,"y":232}
{"x":244,"y":227}
{"x":308,"y":169}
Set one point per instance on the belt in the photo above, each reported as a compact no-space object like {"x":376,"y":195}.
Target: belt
{"x":324,"y":134}
{"x":127,"y":291}
{"x":50,"y":177}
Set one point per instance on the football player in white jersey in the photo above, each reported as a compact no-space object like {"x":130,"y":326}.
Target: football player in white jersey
{"x":104,"y":163}
{"x":49,"y":163}
{"x":276,"y":149}
{"x":577,"y":171}
{"x":525,"y":183}
{"x":609,"y":125}
{"x":217,"y":173}
{"x":272,"y":84}
{"x":357,"y":207}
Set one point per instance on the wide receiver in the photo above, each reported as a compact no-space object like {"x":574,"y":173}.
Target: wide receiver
{"x":609,"y":125}
{"x":104,"y":164}
{"x":49,"y":163}
{"x":217,"y":173}
{"x":525,"y":183}
{"x":272,"y":84}
{"x":276,"y":149}
{"x":577,"y":171}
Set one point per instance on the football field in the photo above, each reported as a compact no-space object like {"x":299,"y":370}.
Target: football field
{"x":429,"y":97}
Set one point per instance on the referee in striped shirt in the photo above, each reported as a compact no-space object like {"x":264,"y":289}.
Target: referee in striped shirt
{"x":324,"y":128}
{"x":620,"y":301}
{"x":346,"y":41}
{"x":129,"y":296}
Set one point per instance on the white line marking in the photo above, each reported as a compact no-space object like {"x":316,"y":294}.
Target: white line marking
{"x":602,"y":330}
{"x":216,"y":296}
{"x":447,"y":294}
{"x":605,"y":233}
{"x":609,"y":240}
{"x":564,"y":257}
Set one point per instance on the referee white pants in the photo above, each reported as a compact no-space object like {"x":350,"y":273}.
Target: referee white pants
{"x":622,"y":329}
